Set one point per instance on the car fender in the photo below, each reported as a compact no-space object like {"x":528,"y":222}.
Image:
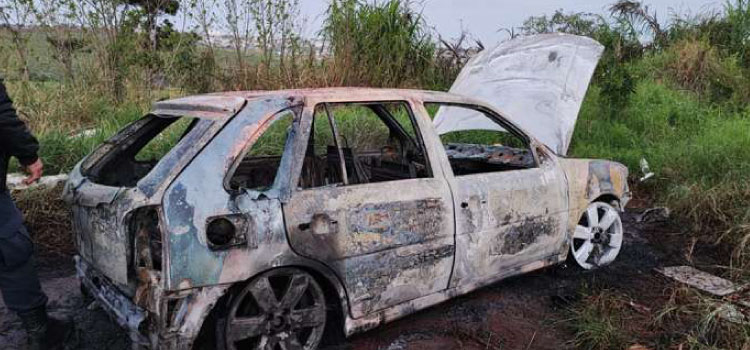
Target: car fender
{"x":590,"y":180}
{"x":200,"y":302}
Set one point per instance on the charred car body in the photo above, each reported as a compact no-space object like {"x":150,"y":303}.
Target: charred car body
{"x":266,"y":219}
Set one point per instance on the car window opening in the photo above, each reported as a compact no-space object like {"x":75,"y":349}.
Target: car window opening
{"x":378,"y":142}
{"x":261,"y":161}
{"x":483,"y":145}
{"x":131,"y":154}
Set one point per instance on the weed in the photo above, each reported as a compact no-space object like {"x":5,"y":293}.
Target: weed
{"x":597,"y":323}
{"x":697,"y":321}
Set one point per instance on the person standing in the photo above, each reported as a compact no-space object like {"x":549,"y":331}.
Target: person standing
{"x":19,"y":282}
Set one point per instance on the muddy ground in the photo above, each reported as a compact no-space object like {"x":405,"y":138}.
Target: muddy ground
{"x":525,"y":312}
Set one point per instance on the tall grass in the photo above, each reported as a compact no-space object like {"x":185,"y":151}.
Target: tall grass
{"x":378,"y":44}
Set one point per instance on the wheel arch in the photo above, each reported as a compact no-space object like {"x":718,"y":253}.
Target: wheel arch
{"x":609,"y":198}
{"x":333,"y":291}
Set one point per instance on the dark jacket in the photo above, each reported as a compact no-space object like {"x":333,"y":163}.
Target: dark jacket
{"x":15,"y":138}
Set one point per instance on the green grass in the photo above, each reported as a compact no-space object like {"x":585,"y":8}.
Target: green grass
{"x":697,"y":150}
{"x":597,"y":322}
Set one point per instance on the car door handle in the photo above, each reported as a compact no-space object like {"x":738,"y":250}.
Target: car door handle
{"x":306,"y":225}
{"x":464,"y":205}
{"x":321,"y":223}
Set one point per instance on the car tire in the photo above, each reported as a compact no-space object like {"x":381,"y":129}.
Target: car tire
{"x":597,"y":238}
{"x":284,"y":307}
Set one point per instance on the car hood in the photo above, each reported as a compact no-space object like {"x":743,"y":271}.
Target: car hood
{"x":538,"y":82}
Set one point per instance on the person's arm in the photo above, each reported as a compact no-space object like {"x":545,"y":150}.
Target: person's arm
{"x":16,"y":139}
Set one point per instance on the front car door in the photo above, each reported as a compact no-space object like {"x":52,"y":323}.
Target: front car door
{"x":510,"y":199}
{"x":370,"y":204}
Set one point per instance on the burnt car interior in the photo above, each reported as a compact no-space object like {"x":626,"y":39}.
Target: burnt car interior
{"x":476,"y":150}
{"x":377,"y":141}
{"x":260,"y":163}
{"x":131,"y":154}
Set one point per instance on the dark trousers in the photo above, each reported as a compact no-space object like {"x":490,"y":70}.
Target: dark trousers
{"x":19,"y":282}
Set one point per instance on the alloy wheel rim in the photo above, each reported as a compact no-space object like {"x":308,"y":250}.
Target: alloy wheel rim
{"x":282,"y":309}
{"x":597,"y":238}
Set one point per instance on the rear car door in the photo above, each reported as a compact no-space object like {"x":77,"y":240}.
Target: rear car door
{"x":511,"y":205}
{"x":370,"y":204}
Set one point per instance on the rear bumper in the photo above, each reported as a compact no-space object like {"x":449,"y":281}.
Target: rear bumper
{"x":122,"y":309}
{"x":175,"y":321}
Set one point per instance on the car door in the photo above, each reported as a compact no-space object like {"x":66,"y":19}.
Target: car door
{"x":510,"y":203}
{"x":382,"y":219}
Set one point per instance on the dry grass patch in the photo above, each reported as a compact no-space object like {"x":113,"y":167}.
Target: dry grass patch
{"x":48,"y":219}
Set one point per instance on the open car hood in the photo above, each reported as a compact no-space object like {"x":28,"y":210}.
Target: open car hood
{"x":538,"y":82}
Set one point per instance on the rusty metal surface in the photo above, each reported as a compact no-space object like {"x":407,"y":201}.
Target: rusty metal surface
{"x":124,"y":311}
{"x":386,"y":249}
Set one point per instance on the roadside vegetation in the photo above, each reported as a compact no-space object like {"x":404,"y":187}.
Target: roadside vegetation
{"x":671,"y":91}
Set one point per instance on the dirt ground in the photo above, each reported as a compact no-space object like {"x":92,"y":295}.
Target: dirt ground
{"x":524,"y":312}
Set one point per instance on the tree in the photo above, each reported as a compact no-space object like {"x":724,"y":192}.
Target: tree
{"x":638,"y":15}
{"x":152,"y":9}
{"x":16,"y":15}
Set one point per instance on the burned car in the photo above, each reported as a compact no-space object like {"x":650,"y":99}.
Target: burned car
{"x":278,"y":219}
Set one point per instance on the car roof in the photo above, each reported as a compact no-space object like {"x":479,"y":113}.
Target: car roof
{"x":221,"y":105}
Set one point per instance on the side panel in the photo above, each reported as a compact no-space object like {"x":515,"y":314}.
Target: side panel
{"x":198,"y":194}
{"x":389,"y":242}
{"x":101,"y":238}
{"x":504,"y":220}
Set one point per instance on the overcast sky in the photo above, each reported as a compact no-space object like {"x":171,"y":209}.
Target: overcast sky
{"x":483,"y":18}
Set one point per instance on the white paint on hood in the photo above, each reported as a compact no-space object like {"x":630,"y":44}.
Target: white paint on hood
{"x":538,"y":82}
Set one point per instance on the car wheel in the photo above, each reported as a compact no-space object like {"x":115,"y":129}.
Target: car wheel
{"x":280,"y":309}
{"x":597,"y":237}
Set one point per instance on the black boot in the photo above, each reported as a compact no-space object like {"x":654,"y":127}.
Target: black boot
{"x":45,"y":333}
{"x":35,"y":324}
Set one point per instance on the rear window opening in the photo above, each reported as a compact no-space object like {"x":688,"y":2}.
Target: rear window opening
{"x":133,"y":152}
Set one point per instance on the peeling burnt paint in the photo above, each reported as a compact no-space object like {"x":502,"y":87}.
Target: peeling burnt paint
{"x":374,"y":227}
{"x":385,"y":251}
{"x":374,"y":277}
{"x":589,"y":180}
{"x":507,"y":219}
{"x":522,"y":235}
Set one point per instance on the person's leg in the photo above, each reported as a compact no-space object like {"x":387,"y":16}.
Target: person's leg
{"x":23,"y":294}
{"x":19,"y":283}
{"x":21,"y":289}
